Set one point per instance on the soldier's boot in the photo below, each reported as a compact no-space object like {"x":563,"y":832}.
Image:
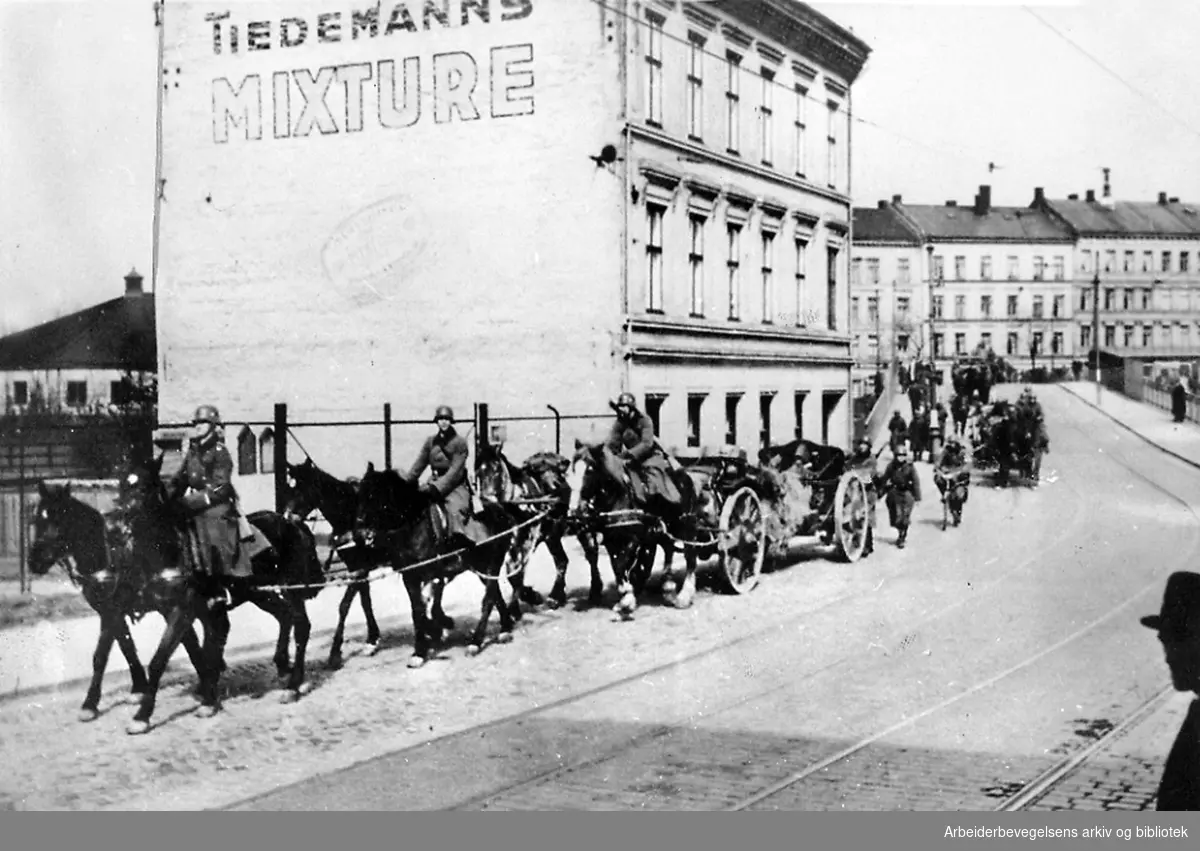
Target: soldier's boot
{"x":900,"y":541}
{"x":869,"y":547}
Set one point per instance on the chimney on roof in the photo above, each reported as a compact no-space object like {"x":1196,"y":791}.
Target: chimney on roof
{"x":1039,"y":196}
{"x":1174,"y":199}
{"x":951,"y":203}
{"x":883,"y":205}
{"x":1162,"y":198}
{"x":1091,"y":196}
{"x":133,"y":283}
{"x":983,"y":201}
{"x":895,"y":199}
{"x":1107,"y":196}
{"x":1074,"y":196}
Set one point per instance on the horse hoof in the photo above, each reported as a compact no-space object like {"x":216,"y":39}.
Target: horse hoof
{"x":288,"y":696}
{"x":138,"y":728}
{"x":206,"y":710}
{"x":473,"y":650}
{"x":555,"y":603}
{"x":86,"y":715}
{"x":684,"y":602}
{"x":372,"y":648}
{"x":335,"y":663}
{"x":595,"y":598}
{"x":504,"y":638}
{"x":416,"y":661}
{"x":304,"y":688}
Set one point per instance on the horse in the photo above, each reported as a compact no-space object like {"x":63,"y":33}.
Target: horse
{"x":541,"y":478}
{"x":97,"y":553}
{"x":395,"y":515}
{"x":631,"y":542}
{"x":289,"y":561}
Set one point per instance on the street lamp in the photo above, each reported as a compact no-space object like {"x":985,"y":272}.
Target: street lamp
{"x":1096,"y":324}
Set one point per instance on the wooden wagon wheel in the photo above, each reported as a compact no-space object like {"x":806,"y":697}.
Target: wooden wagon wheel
{"x":742,"y":540}
{"x":850,"y":516}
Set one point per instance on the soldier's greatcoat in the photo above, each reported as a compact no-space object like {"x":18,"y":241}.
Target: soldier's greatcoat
{"x":445,"y":453}
{"x":903,"y":491}
{"x":631,"y":450}
{"x":205,"y":486}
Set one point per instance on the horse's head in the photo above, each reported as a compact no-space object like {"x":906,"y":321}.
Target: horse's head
{"x":143,"y":493}
{"x":494,"y":475}
{"x":304,"y":494}
{"x":386,"y":502}
{"x":582,"y":475}
{"x":51,"y":520}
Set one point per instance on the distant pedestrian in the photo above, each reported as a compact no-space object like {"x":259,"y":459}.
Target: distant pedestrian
{"x":1178,"y":625}
{"x":1179,"y":401}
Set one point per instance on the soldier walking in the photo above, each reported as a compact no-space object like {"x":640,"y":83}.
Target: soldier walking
{"x":903,"y":490}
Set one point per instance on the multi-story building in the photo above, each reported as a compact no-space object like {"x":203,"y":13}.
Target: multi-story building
{"x":1146,"y":257}
{"x":547,"y":202}
{"x":993,"y":278}
{"x":887,"y":288}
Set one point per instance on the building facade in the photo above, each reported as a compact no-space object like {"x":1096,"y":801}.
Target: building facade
{"x":994,"y":279}
{"x":541,"y":203}
{"x":1146,"y":257}
{"x":888,"y":303}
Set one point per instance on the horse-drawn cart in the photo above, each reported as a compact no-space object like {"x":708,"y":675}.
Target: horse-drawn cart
{"x":1010,"y":439}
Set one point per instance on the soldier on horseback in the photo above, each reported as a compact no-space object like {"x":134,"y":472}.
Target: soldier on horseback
{"x":204,"y":488}
{"x":632,"y":454}
{"x":445,"y":454}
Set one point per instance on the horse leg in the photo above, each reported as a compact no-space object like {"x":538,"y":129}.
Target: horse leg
{"x":108,"y":630}
{"x":178,"y":622}
{"x":416,"y":598}
{"x":558,"y":594}
{"x":129,"y":650}
{"x":622,"y":565}
{"x":364,"y":590}
{"x":280,"y":609}
{"x":687,"y":592}
{"x":522,"y":593}
{"x":335,"y":651}
{"x":670,"y":586}
{"x":591,"y":551}
{"x":303,"y":628}
{"x":442,"y":620}
{"x":491,"y":600}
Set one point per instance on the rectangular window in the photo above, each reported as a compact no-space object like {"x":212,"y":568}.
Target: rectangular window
{"x":696,"y":263}
{"x":1128,"y":336}
{"x":1060,"y":306}
{"x":1085,"y":260}
{"x":1014,"y":268}
{"x":1147,"y":261}
{"x":985,"y":306}
{"x":654,"y":403}
{"x":1039,"y":268}
{"x":834,"y":153}
{"x":732,"y":103}
{"x":801,"y":141}
{"x":1110,"y":335}
{"x":903,"y":275}
{"x":731,"y":407}
{"x":1085,"y":336}
{"x":1060,"y":268}
{"x":1036,"y":346}
{"x":1056,"y":343}
{"x":1110,"y":260}
{"x":960,"y":307}
{"x":1039,"y":306}
{"x":76,"y":393}
{"x":960,"y":268}
{"x":734,"y":266}
{"x":654,"y":261}
{"x":1110,"y":298}
{"x":1166,"y":261}
{"x":695,"y":404}
{"x":764,"y":418}
{"x":985,"y":341}
{"x":937,"y":306}
{"x":902,"y":342}
{"x":695,"y":87}
{"x":1184,"y":261}
{"x":873,"y":271}
{"x":766,"y":115}
{"x":1011,"y":305}
{"x":939,"y":344}
{"x":856,"y":271}
{"x":1127,"y":299}
{"x":118,"y":392}
{"x":873,"y":309}
{"x":768,"y":277}
{"x":654,"y":70}
{"x":854,"y":309}
{"x":1128,"y":265}
{"x":831,"y":255}
{"x":801,"y":274}
{"x":985,"y":268}
{"x":798,"y":401}
{"x":902,"y":305}
{"x":1012,"y":343}
{"x":1145,"y":299}
{"x":960,"y":344}
{"x":1083,"y":299}
{"x":20,"y":393}
{"x":939,"y":267}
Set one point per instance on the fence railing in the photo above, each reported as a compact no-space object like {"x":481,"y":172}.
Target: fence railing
{"x":1151,"y":395}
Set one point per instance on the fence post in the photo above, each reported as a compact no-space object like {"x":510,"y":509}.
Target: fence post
{"x":387,"y":435}
{"x":280,"y":452}
{"x":557,"y":430}
{"x":481,"y":426}
{"x":21,"y":508}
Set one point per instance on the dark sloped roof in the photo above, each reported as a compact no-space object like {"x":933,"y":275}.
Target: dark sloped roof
{"x":873,"y":224}
{"x":1128,"y":218}
{"x":999,"y":224}
{"x":116,"y":334}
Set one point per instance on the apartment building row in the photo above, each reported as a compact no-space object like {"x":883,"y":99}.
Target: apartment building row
{"x":1020,"y":280}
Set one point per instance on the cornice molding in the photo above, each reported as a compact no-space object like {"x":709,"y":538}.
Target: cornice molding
{"x":737,"y":35}
{"x":785,"y":334}
{"x":803,"y":69}
{"x":771,"y":54}
{"x":694,"y":13}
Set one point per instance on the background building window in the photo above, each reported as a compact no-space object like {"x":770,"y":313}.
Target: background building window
{"x":732,"y":97}
{"x":1060,"y":268}
{"x":902,"y":304}
{"x":798,"y":402}
{"x":654,"y":70}
{"x":1056,"y":343}
{"x":873,"y":270}
{"x":1036,"y":345}
{"x":654,"y":403}
{"x":20,"y":393}
{"x":1014,"y":268}
{"x":937,"y":307}
{"x":1166,"y":261}
{"x":768,"y":276}
{"x":1039,"y":306}
{"x":695,"y":406}
{"x":1183,"y":261}
{"x":1128,"y":266}
{"x":985,"y":341}
{"x":939,"y":344}
{"x":800,"y":140}
{"x":1147,"y":336}
{"x":834,"y":153}
{"x":903,"y":275}
{"x":766,"y":126}
{"x":985,"y":268}
{"x":1060,"y":306}
{"x":1039,"y":268}
{"x":77,"y":393}
{"x":1110,"y":298}
{"x":266,"y":450}
{"x":696,"y":88}
{"x":118,"y":393}
{"x":831,"y":255}
{"x":696,"y":261}
{"x":960,"y":268}
{"x":985,"y":306}
{"x":734,"y":266}
{"x":731,"y":410}
{"x":1110,"y":335}
{"x":960,"y":344}
{"x":1012,"y":343}
{"x":960,"y":307}
{"x":1085,"y":336}
{"x":764,"y":419}
{"x":872,"y":309}
{"x":939,"y":267}
{"x":247,"y":449}
{"x":654,"y":260}
{"x":1011,"y":306}
{"x":801,"y":274}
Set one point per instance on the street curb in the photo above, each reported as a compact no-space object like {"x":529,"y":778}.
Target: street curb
{"x":1132,"y":430}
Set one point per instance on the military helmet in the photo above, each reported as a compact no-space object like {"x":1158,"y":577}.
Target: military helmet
{"x":443,"y":412}
{"x":207,"y":414}
{"x":626,"y":399}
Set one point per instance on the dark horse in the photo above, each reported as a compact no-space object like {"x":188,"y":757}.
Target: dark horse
{"x":159,"y":533}
{"x":542,"y":482}
{"x":631,"y":534}
{"x":395,"y":515}
{"x":98,"y":554}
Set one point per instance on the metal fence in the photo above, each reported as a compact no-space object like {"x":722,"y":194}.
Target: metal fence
{"x":1151,"y":395}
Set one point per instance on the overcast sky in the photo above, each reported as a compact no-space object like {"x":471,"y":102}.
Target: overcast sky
{"x":949,"y":87}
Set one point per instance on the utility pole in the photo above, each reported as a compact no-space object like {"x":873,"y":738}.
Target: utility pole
{"x":1096,"y":324}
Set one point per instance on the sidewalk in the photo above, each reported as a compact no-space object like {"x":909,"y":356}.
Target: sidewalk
{"x":1153,"y":424}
